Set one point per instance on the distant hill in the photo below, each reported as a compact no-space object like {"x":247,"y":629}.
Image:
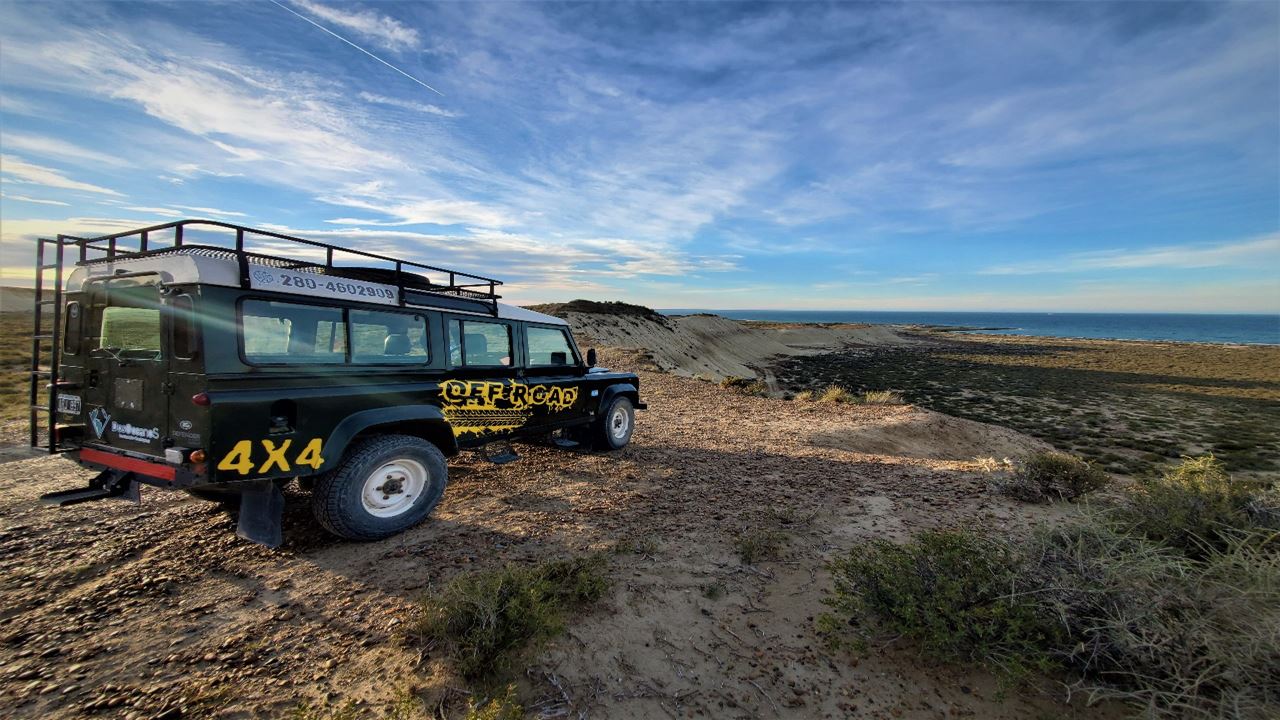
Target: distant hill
{"x":18,"y":299}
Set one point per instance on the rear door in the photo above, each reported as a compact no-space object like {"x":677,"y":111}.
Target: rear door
{"x":126,"y":404}
{"x":553,"y":372}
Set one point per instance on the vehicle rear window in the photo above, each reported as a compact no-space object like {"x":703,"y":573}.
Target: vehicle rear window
{"x":548,"y":346}
{"x":130,"y":331}
{"x":475,"y":343}
{"x":385,"y":337}
{"x":293,"y":333}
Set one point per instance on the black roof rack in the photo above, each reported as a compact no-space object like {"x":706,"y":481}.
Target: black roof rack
{"x":462,"y":290}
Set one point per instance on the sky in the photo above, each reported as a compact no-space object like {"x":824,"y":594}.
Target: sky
{"x":1115,"y":157}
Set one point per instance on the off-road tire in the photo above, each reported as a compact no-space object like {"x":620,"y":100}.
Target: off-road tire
{"x":606,"y":433}
{"x":338,"y":499}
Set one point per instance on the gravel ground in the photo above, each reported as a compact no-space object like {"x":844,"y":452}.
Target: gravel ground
{"x":158,"y":610}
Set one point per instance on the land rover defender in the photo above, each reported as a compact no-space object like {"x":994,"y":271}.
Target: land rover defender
{"x":226,"y":361}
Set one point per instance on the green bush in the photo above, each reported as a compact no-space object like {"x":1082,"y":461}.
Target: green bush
{"x":506,"y":707}
{"x":953,"y":592}
{"x":485,"y":619}
{"x":1140,"y":621}
{"x":1050,"y":476}
{"x":1197,"y":507}
{"x":1174,"y":636}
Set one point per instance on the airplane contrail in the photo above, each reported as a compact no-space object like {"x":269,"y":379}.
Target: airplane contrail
{"x":366,"y":52}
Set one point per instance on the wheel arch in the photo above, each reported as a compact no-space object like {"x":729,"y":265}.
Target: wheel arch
{"x":424,"y":421}
{"x":627,"y":390}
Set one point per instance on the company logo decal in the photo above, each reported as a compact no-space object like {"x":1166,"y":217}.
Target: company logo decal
{"x":99,"y":418}
{"x":486,"y":406}
{"x":125,"y":431}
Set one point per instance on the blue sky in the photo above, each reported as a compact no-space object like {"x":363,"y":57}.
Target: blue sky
{"x":1077,"y":156}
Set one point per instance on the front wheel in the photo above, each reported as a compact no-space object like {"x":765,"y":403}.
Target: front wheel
{"x":384,"y":485}
{"x":613,"y":430}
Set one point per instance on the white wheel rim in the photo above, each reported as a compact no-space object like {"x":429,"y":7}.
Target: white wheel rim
{"x":618,"y":423}
{"x":392,"y":489}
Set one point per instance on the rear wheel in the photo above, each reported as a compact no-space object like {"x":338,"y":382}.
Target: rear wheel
{"x":383,"y":485}
{"x":614,"y":428}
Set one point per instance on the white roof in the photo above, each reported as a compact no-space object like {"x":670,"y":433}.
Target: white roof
{"x":178,"y":268}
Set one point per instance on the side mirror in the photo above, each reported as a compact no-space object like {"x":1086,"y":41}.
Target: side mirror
{"x":591,"y":357}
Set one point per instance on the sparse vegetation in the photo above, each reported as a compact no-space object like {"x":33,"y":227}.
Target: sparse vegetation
{"x":1180,"y":617}
{"x":746,"y":386}
{"x":842,"y":394}
{"x":881,"y":397}
{"x":635,"y":546}
{"x":505,"y":707}
{"x":1132,"y":408}
{"x":756,"y":545}
{"x":486,"y":619}
{"x":305,"y":711}
{"x":596,"y":307}
{"x":1197,"y":506}
{"x":1048,"y":476}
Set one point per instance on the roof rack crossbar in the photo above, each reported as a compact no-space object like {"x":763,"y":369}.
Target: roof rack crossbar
{"x":460,"y":283}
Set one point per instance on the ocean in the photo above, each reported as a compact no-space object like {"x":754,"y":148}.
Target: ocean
{"x":1249,"y":329}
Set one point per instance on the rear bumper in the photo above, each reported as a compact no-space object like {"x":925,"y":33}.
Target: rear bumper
{"x":147,"y":469}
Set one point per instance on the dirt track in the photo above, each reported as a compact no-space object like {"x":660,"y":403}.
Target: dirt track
{"x":115,"y":610}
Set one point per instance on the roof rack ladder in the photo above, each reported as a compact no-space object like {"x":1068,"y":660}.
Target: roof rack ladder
{"x":39,"y":337}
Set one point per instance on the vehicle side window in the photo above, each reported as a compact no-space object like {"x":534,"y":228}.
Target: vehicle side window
{"x":185,"y":340}
{"x":383,"y":337}
{"x":479,"y":344}
{"x":548,"y":346}
{"x":281,"y":332}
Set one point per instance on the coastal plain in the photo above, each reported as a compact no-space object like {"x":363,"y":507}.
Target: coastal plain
{"x":211,"y":626}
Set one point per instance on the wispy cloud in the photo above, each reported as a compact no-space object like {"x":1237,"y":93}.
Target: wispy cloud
{"x":1246,"y":253}
{"x":53,"y":147}
{"x":383,"y":30}
{"x":38,"y":201}
{"x":21,"y":171}
{"x":408,"y":105}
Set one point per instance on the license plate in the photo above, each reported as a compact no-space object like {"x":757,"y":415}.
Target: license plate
{"x":69,"y":404}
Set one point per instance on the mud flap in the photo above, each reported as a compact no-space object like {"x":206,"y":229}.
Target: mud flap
{"x":261,"y":510}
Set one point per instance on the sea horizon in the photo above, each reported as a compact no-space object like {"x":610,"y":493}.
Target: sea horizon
{"x":1228,"y":328}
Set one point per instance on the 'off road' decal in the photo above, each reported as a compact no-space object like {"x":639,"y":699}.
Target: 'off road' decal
{"x":486,"y":406}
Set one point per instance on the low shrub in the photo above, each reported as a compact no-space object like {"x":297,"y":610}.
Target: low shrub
{"x":1197,"y":506}
{"x":1051,"y":476}
{"x":485,"y":619}
{"x":506,"y":707}
{"x":881,"y":397}
{"x":1140,"y":621}
{"x":835,"y":394}
{"x":756,"y":545}
{"x":953,"y":592}
{"x":746,"y":386}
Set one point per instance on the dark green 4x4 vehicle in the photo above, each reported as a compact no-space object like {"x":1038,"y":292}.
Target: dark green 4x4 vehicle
{"x":180,"y":358}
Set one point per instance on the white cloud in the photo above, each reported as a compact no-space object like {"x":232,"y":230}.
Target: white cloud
{"x":21,"y":171}
{"x":38,"y":201}
{"x":211,"y":211}
{"x":408,"y":105}
{"x":417,"y":211}
{"x":381,"y":29}
{"x":53,"y":147}
{"x":1246,"y":253}
{"x":161,"y":211}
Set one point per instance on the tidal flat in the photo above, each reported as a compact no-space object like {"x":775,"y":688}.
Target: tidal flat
{"x":1130,"y":406}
